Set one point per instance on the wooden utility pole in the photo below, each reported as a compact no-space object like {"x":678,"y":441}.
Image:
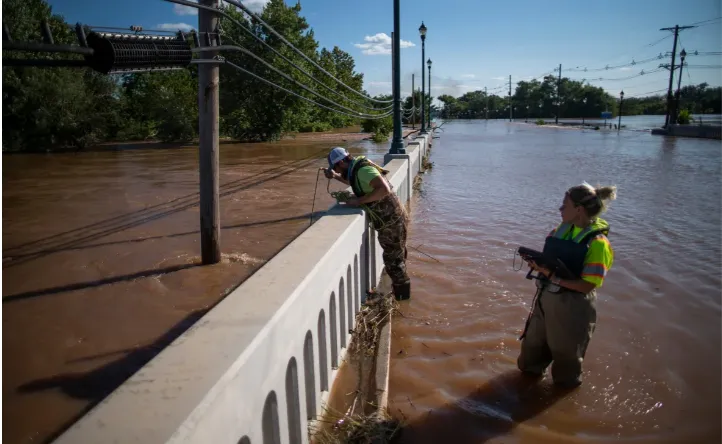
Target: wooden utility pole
{"x":208,"y":135}
{"x":510,"y":108}
{"x":486,"y":110}
{"x":670,"y":102}
{"x":559,"y":99}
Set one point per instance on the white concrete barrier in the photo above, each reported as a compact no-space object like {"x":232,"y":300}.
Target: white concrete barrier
{"x":257,"y":368}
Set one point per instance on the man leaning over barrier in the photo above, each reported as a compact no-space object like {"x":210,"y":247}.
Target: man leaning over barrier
{"x":387,"y":214}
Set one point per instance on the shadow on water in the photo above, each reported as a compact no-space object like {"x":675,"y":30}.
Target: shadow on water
{"x":98,"y":383}
{"x":492,"y":410}
{"x":97,"y":230}
{"x":95,"y":283}
{"x":140,"y":274}
{"x":316,"y":215}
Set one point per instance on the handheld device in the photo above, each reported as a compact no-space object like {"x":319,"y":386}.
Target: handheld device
{"x":554,"y":264}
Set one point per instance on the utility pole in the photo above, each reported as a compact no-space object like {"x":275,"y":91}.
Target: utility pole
{"x":413,"y":102}
{"x":510,"y":108}
{"x":208,"y":138}
{"x":559,"y":100}
{"x":486,"y":110}
{"x":397,"y":144}
{"x":682,"y":56}
{"x":670,"y":103}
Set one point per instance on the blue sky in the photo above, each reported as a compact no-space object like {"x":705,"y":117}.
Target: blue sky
{"x":476,"y":43}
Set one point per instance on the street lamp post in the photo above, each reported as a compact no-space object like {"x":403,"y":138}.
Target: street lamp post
{"x":584,"y":109}
{"x":428,"y":126}
{"x":397,"y":143}
{"x":422,"y":32}
{"x":621,"y":100}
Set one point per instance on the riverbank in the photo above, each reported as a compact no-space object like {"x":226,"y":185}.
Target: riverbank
{"x":348,"y":134}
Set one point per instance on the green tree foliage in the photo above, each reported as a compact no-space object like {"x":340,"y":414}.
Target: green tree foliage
{"x":535,"y":99}
{"x":380,"y":128}
{"x":45,"y":108}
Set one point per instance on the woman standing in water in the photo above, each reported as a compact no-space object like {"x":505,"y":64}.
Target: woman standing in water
{"x":563,"y":315}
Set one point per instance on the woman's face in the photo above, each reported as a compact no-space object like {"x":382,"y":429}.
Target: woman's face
{"x":569,"y":212}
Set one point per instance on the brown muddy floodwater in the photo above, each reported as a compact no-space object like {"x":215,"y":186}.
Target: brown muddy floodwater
{"x":100,"y":260}
{"x":652,"y":370}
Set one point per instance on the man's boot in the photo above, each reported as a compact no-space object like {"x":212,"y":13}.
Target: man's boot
{"x":402,"y":292}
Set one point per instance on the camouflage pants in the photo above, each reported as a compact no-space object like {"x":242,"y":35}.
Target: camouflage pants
{"x":390,"y":221}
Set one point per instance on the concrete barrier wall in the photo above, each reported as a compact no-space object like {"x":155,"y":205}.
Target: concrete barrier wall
{"x":258,"y":367}
{"x":701,"y":131}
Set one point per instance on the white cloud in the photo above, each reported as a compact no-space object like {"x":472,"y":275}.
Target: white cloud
{"x":185,"y":10}
{"x":500,"y":78}
{"x":626,"y":68}
{"x":380,"y":44}
{"x":254,"y":5}
{"x":468,"y":76}
{"x":176,"y":26}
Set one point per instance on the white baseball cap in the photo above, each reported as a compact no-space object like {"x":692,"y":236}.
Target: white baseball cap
{"x":336,"y":155}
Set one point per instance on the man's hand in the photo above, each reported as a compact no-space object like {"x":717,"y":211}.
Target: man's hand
{"x":353,"y":202}
{"x":329,"y":173}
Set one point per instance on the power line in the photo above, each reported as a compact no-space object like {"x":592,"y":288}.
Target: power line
{"x":607,"y":68}
{"x":647,"y":93}
{"x":706,"y":21}
{"x":603,"y":79}
{"x":258,"y":39}
{"x":276,"y":70}
{"x":299,"y":52}
{"x":268,"y":82}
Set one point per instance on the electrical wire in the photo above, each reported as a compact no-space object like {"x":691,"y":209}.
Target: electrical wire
{"x":223,"y":61}
{"x":299,"y":52}
{"x":258,"y":39}
{"x":647,"y":93}
{"x":602,"y":79}
{"x":702,"y":23}
{"x":607,"y":68}
{"x":276,"y":70}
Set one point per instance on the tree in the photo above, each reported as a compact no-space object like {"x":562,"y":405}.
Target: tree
{"x":44,"y":108}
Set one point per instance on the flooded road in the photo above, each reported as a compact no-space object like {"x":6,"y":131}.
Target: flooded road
{"x":652,"y":370}
{"x":100,"y":260}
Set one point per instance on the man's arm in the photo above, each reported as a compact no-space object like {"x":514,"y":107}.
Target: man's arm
{"x":381,"y":190}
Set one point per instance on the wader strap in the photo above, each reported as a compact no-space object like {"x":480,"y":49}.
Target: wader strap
{"x":533,"y":307}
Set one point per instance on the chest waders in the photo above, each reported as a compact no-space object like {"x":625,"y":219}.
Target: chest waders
{"x":562,"y":321}
{"x":390,"y":222}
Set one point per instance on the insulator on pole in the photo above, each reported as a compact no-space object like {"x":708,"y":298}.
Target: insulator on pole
{"x":121,"y":53}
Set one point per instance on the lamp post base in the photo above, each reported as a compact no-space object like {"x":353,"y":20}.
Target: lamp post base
{"x":397,"y":147}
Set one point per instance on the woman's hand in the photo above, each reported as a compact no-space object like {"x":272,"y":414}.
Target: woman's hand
{"x":353,"y":202}
{"x":539,"y":269}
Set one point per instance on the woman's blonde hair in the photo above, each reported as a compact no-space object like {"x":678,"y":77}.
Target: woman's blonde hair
{"x":594,"y":200}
